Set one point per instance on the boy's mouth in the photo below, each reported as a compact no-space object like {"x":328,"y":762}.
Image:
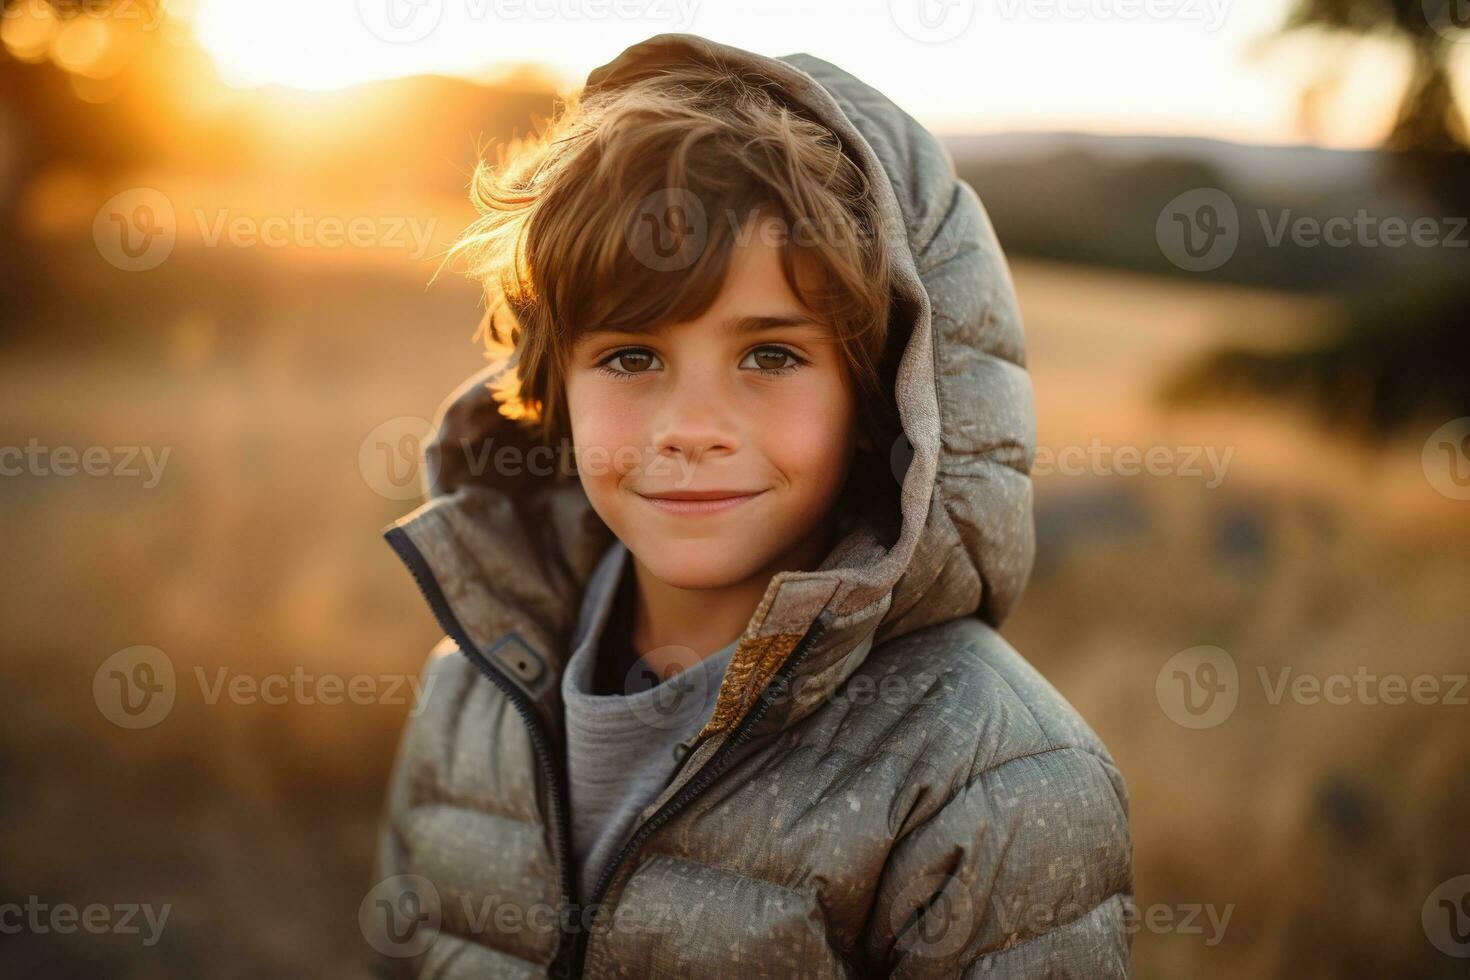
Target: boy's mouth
{"x":698,"y":502}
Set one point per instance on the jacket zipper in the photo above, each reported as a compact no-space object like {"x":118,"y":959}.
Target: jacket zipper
{"x":698,"y":784}
{"x":540,"y":741}
{"x":567,"y":961}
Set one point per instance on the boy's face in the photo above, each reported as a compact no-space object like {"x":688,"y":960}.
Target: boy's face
{"x":757,"y":418}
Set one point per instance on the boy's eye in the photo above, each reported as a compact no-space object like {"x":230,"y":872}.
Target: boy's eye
{"x":776,"y":360}
{"x":769,"y":359}
{"x":634,"y":360}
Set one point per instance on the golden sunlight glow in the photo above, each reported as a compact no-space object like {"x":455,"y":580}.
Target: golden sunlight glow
{"x":316,"y":46}
{"x":82,"y":44}
{"x":89,"y":48}
{"x":1019,"y":65}
{"x":28,"y":30}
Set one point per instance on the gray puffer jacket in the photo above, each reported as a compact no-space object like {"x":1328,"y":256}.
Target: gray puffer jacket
{"x":885,"y":787}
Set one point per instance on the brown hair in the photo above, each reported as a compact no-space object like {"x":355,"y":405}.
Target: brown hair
{"x":569,"y":232}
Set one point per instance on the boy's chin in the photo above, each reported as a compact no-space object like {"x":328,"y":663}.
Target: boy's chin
{"x":698,"y":564}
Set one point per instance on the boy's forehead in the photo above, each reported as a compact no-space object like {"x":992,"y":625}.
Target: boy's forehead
{"x":746,"y":323}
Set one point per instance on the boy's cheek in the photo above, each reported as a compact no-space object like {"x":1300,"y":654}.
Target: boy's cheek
{"x":809,"y":448}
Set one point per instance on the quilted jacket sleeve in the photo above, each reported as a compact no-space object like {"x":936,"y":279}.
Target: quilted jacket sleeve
{"x":1024,"y":872}
{"x":390,"y":859}
{"x":392,"y":874}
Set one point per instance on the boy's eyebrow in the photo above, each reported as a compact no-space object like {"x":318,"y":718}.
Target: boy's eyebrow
{"x":750,"y":323}
{"x":755,"y":324}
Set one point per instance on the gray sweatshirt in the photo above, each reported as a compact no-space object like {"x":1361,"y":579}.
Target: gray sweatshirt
{"x":622,"y":749}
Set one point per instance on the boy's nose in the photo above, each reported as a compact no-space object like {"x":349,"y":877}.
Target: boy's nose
{"x":695,"y":419}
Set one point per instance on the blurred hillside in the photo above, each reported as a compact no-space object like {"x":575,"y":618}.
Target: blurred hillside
{"x":1396,"y":350}
{"x":1090,"y":198}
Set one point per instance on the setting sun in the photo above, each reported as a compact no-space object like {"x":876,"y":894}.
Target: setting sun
{"x":307,"y":46}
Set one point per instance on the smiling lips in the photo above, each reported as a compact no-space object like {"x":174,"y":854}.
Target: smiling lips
{"x":699,"y":502}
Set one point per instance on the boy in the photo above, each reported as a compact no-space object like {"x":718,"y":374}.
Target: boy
{"x":731,"y":702}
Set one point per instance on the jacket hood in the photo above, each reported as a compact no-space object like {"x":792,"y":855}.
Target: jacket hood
{"x":508,"y":557}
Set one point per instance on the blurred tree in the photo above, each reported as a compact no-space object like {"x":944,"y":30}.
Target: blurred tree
{"x":1399,"y":356}
{"x":52,"y":110}
{"x":1429,"y":117}
{"x":1398,"y":359}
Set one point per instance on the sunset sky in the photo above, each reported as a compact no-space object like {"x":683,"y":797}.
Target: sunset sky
{"x":958,"y":65}
{"x":1168,"y":67}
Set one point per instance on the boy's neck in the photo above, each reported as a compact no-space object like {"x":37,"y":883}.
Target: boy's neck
{"x":667,"y":618}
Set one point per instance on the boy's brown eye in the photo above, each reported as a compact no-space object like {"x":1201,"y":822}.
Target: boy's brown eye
{"x":632,"y":361}
{"x":770,"y":358}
